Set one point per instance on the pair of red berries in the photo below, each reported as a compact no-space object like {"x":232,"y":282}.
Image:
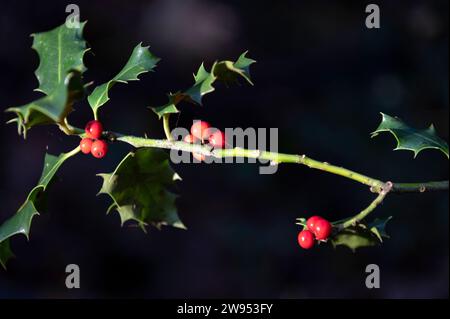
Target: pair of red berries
{"x":202,"y":131}
{"x":316,"y":228}
{"x":92,"y":142}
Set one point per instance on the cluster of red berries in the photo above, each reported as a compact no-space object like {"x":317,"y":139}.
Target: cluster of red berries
{"x":92,"y":142}
{"x":316,"y":228}
{"x":202,"y":131}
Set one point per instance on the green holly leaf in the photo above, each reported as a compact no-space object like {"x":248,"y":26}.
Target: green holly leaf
{"x":362,"y":235}
{"x":5,"y":253}
{"x":225,"y":71}
{"x":378,"y":227}
{"x":171,"y":106}
{"x":140,"y":188}
{"x":60,"y":50}
{"x":355,"y":237}
{"x":20,"y":222}
{"x":52,"y":108}
{"x":409,"y":138}
{"x":140,"y":61}
{"x":202,"y":86}
{"x":230,"y":72}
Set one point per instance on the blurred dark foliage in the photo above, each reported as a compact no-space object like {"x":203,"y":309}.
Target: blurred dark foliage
{"x":322,"y":78}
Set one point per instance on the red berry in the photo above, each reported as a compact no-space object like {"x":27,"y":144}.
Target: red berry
{"x":200,"y":130}
{"x":306,"y":239}
{"x":94,"y":129}
{"x":99,"y":148}
{"x":311,"y":222}
{"x":189,"y":139}
{"x":86,"y":145}
{"x":192,"y":139}
{"x":322,"y":229}
{"x":216,"y":138}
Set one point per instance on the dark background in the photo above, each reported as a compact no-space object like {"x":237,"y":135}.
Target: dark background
{"x":321,"y":78}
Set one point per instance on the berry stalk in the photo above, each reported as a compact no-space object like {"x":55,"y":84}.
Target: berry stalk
{"x":387,"y":188}
{"x":166,"y":126}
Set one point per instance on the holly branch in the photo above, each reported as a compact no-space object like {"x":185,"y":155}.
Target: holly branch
{"x":275,"y":158}
{"x":141,"y":186}
{"x":376,"y":185}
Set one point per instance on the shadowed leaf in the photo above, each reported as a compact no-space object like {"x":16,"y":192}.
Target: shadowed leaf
{"x":140,"y":189}
{"x":50,"y":109}
{"x":362,"y":235}
{"x":5,"y":252}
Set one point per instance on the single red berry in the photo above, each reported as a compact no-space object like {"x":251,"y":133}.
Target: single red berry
{"x":306,"y":239}
{"x":216,"y":138}
{"x":311,"y":222}
{"x":200,"y":130}
{"x":322,"y":229}
{"x":99,"y":148}
{"x":190,"y":139}
{"x":94,"y":129}
{"x":86,"y":145}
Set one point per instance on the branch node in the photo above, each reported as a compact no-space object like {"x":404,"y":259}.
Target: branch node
{"x":387,"y":187}
{"x":301,"y":158}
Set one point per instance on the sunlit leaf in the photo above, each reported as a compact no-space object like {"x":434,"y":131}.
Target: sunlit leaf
{"x":140,"y":61}
{"x":60,"y":50}
{"x":409,"y":138}
{"x":224,"y":71}
{"x":20,"y":222}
